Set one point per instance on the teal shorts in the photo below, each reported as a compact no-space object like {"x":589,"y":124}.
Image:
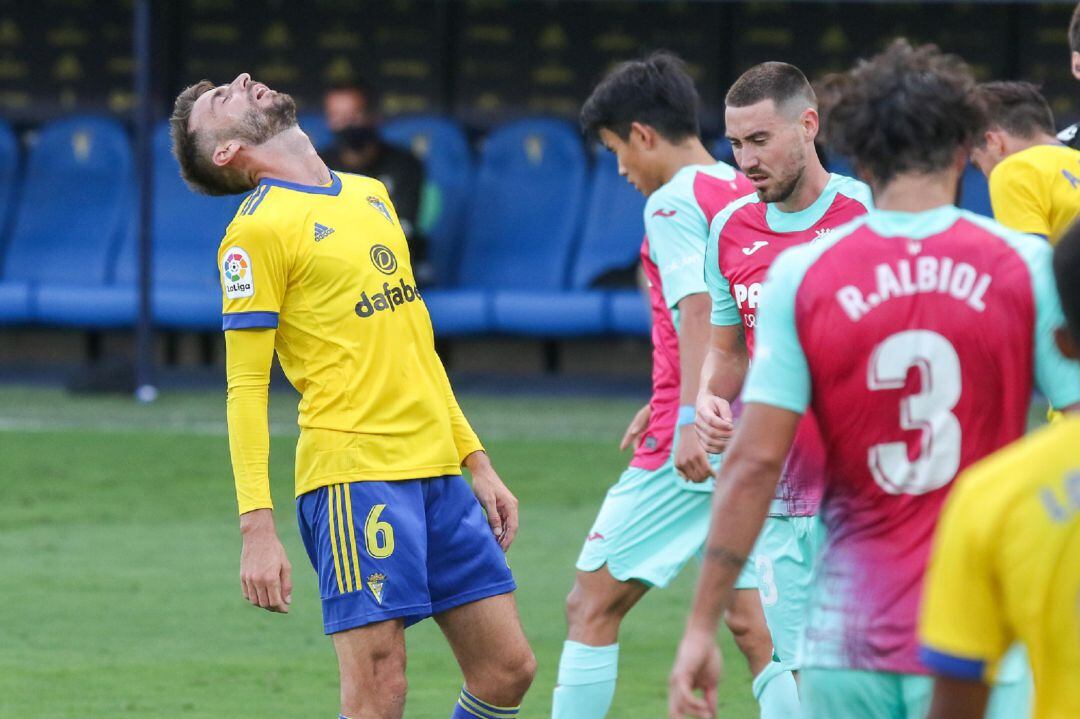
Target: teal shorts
{"x":652,"y":522}
{"x":783,"y":568}
{"x":856,"y":694}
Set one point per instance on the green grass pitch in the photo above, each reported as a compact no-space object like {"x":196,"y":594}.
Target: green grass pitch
{"x":119,"y":557}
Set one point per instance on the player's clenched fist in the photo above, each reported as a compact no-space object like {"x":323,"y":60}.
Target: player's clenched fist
{"x":265,"y":572}
{"x":715,"y":423}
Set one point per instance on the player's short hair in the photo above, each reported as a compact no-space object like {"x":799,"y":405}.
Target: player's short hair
{"x":657,"y":91}
{"x":907,"y":109}
{"x":1018,"y":108}
{"x":780,"y":82}
{"x":1066,"y":270}
{"x":359,"y":86}
{"x":193,"y":152}
{"x":1074,"y":30}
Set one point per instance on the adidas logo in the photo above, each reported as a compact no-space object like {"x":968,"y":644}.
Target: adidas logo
{"x":322,"y":232}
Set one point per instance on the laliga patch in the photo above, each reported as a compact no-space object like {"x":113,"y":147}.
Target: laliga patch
{"x":379,"y":205}
{"x":236,"y":277}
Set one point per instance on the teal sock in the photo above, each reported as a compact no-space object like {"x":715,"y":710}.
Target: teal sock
{"x":777,"y":693}
{"x":586,"y":681}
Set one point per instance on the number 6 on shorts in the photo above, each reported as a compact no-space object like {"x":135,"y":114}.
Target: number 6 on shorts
{"x":378,"y":536}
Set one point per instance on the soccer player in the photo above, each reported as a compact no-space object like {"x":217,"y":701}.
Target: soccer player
{"x":1069,"y":135}
{"x":1004,"y":561}
{"x":1034,"y":178}
{"x":915,"y":334}
{"x":655,"y":518}
{"x":315,"y":266}
{"x":772,"y":121}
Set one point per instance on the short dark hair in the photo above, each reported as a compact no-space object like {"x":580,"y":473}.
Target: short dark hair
{"x":656,"y":91}
{"x":359,"y":86}
{"x":907,"y":109}
{"x":198,"y":170}
{"x":1074,"y":30}
{"x":776,"y":81}
{"x":1018,"y":108}
{"x":1066,"y":272}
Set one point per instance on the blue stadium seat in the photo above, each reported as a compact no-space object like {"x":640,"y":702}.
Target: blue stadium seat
{"x":524,"y":216}
{"x":613,"y":224}
{"x":840,"y":165}
{"x":9,"y":166}
{"x":629,"y":313}
{"x":73,"y":214}
{"x":721,"y":150}
{"x":975,"y":192}
{"x":314,"y":124}
{"x":448,"y":164}
{"x":14,"y":297}
{"x":186,"y":232}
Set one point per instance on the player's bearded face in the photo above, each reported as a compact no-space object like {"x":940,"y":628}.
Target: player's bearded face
{"x":259,"y":124}
{"x":783,"y":176}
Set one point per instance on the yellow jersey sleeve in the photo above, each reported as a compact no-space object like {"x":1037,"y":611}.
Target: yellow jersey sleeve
{"x":254,"y":266}
{"x":1017,"y":198}
{"x":962,"y":630}
{"x":465,"y":439}
{"x":248,"y":355}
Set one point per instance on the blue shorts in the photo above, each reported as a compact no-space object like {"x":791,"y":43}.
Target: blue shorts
{"x":405,"y":549}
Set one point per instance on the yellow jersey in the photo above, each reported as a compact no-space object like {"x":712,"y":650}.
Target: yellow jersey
{"x":1037,"y":190}
{"x":1006,"y":567}
{"x":321,"y":275}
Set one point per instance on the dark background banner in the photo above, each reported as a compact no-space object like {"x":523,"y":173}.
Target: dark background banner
{"x":485,"y":61}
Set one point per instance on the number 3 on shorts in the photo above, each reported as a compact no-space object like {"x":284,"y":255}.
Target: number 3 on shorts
{"x":378,"y":536}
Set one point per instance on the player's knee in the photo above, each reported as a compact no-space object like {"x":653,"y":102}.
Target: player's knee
{"x":746,"y":627}
{"x":506,"y":680}
{"x":521,"y":672}
{"x":586,"y":608}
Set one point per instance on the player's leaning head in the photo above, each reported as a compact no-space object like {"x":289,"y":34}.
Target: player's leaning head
{"x":208,"y":140}
{"x":1017,"y":108}
{"x":1066,"y":272}
{"x":785,"y":85}
{"x":657,"y":92}
{"x":906,"y":110}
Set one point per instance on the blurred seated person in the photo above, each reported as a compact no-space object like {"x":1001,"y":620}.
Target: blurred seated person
{"x":358,"y":148}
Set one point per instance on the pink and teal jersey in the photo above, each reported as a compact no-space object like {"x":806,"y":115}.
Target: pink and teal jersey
{"x":677,"y":218}
{"x":743,"y":242}
{"x":916,"y":339}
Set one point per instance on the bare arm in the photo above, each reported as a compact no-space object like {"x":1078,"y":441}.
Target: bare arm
{"x":694,"y":327}
{"x":744,"y":490}
{"x":722,"y":374}
{"x":958,"y":699}
{"x":691,"y":460}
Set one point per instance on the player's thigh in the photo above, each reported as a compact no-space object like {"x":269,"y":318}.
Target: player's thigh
{"x":488,"y":642}
{"x":648,"y":527}
{"x":784,"y":560}
{"x":852,"y":694}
